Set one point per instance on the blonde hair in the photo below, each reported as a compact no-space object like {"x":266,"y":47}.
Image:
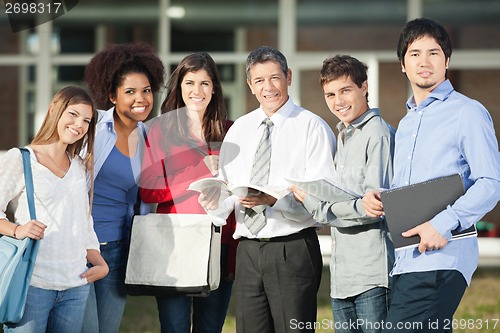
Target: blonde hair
{"x":47,"y":133}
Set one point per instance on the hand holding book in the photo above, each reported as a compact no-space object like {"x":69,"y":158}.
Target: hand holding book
{"x":215,"y":190}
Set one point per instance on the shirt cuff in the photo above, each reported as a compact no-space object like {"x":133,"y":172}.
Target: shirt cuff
{"x":445,"y":222}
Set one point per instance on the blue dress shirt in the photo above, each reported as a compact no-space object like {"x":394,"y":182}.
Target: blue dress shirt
{"x":448,"y":133}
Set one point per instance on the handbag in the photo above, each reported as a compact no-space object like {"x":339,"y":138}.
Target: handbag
{"x":173,"y":254}
{"x":17,"y":260}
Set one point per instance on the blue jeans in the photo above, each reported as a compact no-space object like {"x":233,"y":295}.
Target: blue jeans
{"x":107,"y":296}
{"x":361,"y":313}
{"x":209,"y":312}
{"x":52,"y":311}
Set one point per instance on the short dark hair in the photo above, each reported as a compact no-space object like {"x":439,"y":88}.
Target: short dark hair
{"x":264,"y":54}
{"x":339,"y":66}
{"x":421,"y":27}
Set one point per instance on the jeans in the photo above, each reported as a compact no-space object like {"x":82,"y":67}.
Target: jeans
{"x":209,"y":312}
{"x":107,"y":296}
{"x":361,"y":313}
{"x":52,"y":311}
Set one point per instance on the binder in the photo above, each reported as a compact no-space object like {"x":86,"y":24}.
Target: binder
{"x":408,"y":206}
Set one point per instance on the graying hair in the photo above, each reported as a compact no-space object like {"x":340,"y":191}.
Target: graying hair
{"x":263,"y":54}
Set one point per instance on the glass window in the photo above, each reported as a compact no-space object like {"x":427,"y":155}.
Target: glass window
{"x":212,"y":25}
{"x":68,"y":75}
{"x":76,"y":39}
{"x":187,"y":40}
{"x":471,"y":24}
{"x":324,"y":25}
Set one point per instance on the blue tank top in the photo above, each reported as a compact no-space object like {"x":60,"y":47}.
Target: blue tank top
{"x":115,"y":189}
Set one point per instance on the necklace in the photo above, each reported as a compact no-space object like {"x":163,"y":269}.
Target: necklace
{"x":64,"y":171}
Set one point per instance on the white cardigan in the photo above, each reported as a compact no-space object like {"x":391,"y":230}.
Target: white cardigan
{"x":63,"y":205}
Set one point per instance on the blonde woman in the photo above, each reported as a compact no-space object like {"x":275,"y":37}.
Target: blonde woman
{"x":60,"y":283}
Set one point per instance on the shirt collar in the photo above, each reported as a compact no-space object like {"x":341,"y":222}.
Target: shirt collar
{"x":361,"y":120}
{"x":279,"y":117}
{"x":109,"y":120}
{"x":441,"y":92}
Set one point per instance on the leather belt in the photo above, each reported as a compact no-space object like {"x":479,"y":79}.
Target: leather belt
{"x":299,"y":235}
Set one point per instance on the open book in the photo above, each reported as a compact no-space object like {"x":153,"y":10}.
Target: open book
{"x":408,"y":206}
{"x":324,"y":189}
{"x":240,"y":190}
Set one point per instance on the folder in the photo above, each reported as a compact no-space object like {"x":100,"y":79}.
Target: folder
{"x":408,"y":206}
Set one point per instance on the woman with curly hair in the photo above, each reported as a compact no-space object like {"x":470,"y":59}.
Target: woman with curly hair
{"x":122,"y":79}
{"x":185,"y":143}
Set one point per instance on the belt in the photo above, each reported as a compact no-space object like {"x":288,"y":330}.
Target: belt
{"x":299,"y":235}
{"x":113,"y":242}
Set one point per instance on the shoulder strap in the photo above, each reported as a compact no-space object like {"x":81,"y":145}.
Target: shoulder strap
{"x":28,"y":179}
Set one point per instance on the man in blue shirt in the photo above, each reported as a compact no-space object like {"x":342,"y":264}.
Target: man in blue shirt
{"x":443,"y":133}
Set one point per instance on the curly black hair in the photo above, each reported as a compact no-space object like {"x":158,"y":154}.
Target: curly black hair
{"x":107,"y":69}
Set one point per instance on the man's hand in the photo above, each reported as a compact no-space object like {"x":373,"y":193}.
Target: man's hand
{"x":257,"y":198}
{"x":430,"y":238}
{"x":298,"y":194}
{"x":373,"y":204}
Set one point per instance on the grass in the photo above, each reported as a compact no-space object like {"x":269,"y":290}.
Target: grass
{"x":479,"y":310}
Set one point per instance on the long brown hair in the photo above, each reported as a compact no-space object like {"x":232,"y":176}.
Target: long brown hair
{"x":47,"y":133}
{"x":215,"y":114}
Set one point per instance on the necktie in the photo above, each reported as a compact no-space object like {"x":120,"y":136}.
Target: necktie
{"x":255,"y":221}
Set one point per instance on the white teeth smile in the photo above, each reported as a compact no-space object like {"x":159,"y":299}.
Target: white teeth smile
{"x":73,"y":131}
{"x":196,"y":99}
{"x":139,"y":109}
{"x":344,"y":110}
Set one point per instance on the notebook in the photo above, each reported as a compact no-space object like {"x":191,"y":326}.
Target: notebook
{"x":408,"y":206}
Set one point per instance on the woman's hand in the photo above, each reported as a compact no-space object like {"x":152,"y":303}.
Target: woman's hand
{"x":99,"y":267}
{"x":212,"y":163}
{"x":209,"y":198}
{"x":33,"y":229}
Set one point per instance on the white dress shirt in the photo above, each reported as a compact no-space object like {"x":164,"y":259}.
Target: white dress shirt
{"x":63,"y":205}
{"x":302,"y":145}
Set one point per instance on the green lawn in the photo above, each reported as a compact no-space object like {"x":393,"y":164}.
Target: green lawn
{"x":479,"y":307}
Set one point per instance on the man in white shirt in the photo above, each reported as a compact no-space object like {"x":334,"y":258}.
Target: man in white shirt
{"x":278,"y":264}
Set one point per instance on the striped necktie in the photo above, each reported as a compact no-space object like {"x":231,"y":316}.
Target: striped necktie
{"x":255,"y":221}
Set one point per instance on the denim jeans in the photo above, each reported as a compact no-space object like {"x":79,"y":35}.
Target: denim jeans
{"x":361,"y":313}
{"x":208,"y":312}
{"x":107,"y":296}
{"x":52,"y":311}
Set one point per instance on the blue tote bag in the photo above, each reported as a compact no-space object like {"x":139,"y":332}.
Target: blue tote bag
{"x":17,"y":259}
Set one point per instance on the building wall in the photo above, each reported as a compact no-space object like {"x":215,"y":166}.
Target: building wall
{"x":9,"y":94}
